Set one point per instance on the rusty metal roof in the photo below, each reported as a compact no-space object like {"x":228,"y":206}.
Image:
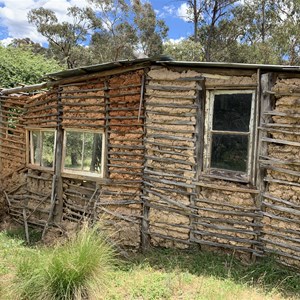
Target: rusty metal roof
{"x":165,"y":61}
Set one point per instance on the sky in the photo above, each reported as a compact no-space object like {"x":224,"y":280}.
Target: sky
{"x":13,"y":17}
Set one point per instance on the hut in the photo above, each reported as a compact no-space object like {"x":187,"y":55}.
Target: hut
{"x":164,"y":153}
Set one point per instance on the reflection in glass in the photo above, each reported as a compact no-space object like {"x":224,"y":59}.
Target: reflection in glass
{"x":36,"y":145}
{"x":47,"y":148}
{"x":74,"y":141}
{"x":232,"y":112}
{"x":229,"y":152}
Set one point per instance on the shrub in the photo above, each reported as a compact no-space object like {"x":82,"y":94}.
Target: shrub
{"x":77,"y":269}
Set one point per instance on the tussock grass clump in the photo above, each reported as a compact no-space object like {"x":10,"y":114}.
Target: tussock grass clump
{"x":76,"y":269}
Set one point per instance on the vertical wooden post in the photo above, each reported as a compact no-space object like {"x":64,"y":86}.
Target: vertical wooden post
{"x":1,"y":131}
{"x":145,"y":238}
{"x":58,"y":161}
{"x":199,"y":144}
{"x":265,"y":103}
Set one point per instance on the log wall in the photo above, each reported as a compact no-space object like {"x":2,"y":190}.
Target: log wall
{"x":154,"y":190}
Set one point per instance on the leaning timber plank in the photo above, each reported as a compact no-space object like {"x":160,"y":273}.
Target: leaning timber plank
{"x":291,"y":211}
{"x":226,"y":228}
{"x":166,"y":208}
{"x":279,"y":200}
{"x":272,"y":216}
{"x":226,"y":237}
{"x":227,"y":188}
{"x":282,"y":142}
{"x":121,"y":202}
{"x":227,"y":246}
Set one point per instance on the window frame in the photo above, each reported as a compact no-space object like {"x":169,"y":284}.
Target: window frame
{"x":80,"y":173}
{"x":30,"y":150}
{"x":226,"y":174}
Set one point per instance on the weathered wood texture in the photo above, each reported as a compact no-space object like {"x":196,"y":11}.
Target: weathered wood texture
{"x":154,"y":189}
{"x":281,"y":199}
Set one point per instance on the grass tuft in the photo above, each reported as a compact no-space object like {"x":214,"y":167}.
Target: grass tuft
{"x":75,"y":270}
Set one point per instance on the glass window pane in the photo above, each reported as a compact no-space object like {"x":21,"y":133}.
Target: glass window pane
{"x":36,"y":155}
{"x":232,"y":112}
{"x":92,"y":152}
{"x":47,"y":148}
{"x":229,"y":152}
{"x":74,"y":142}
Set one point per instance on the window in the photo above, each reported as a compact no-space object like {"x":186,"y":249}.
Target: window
{"x":83,"y":152}
{"x":229,"y":134}
{"x":42,"y":145}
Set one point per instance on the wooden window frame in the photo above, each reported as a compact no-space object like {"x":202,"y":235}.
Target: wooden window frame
{"x":78,"y":173}
{"x":30,"y":150}
{"x":218,"y":173}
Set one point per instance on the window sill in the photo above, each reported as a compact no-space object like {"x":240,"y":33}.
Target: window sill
{"x":39,"y":168}
{"x":88,"y":177}
{"x":227,"y":175}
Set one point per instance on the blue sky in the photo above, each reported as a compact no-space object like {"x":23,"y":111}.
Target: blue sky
{"x":13,"y":17}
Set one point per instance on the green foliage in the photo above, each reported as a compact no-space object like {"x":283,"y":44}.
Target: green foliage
{"x":77,"y":269}
{"x":185,"y":50}
{"x":18,"y":66}
{"x":35,"y":235}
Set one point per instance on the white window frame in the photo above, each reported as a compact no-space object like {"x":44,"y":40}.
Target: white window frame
{"x":30,"y":150}
{"x":209,"y":113}
{"x":82,"y":173}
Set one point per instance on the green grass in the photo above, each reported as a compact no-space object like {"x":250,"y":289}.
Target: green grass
{"x":66,"y":272}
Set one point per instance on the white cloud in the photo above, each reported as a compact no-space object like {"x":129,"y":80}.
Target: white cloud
{"x":183,"y":12}
{"x":13,"y":15}
{"x":6,"y":42}
{"x":176,"y":41}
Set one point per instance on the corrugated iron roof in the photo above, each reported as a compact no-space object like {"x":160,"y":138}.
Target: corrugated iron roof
{"x":164,"y":60}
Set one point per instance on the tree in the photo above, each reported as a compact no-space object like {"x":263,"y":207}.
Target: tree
{"x":150,"y":31}
{"x":19,"y":66}
{"x":185,"y":50}
{"x":65,"y":36}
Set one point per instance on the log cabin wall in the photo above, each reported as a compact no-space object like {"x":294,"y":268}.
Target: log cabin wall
{"x":156,"y":186}
{"x":280,"y":161}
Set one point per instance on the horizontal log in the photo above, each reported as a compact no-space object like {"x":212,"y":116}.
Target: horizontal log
{"x":281,"y":253}
{"x":281,"y":170}
{"x":171,"y":105}
{"x":257,"y":252}
{"x":120,"y":216}
{"x":170,"y":160}
{"x":281,"y":244}
{"x":282,"y":236}
{"x":146,"y":140}
{"x":169,"y":182}
{"x":288,"y":220}
{"x":280,"y":181}
{"x":173,"y":130}
{"x":227,"y":188}
{"x":291,"y":211}
{"x":281,"y":142}
{"x":166,"y":237}
{"x":171,"y":88}
{"x":276,"y":161}
{"x":170,"y":96}
{"x":171,"y":137}
{"x":294,"y":133}
{"x":279,"y":200}
{"x":291,"y":114}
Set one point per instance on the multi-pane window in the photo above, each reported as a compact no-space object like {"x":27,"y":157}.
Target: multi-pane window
{"x":229,"y":133}
{"x":42,"y":145}
{"x":83,"y":152}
